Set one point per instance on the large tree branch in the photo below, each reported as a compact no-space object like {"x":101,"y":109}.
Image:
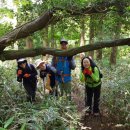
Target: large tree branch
{"x":47,"y":18}
{"x":13,"y":54}
{"x":26,"y":29}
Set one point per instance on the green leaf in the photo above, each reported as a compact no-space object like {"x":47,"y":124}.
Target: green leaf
{"x":23,"y":126}
{"x":1,"y":122}
{"x":8,"y":122}
{"x":2,"y":128}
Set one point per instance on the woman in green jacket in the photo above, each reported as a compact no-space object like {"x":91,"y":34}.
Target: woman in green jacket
{"x":91,"y":75}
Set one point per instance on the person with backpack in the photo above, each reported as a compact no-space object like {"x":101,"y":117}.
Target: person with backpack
{"x":92,"y":77}
{"x":64,"y":65}
{"x":47,"y":71}
{"x":27,"y":74}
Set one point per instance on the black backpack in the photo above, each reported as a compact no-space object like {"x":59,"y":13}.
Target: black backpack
{"x":100,"y":74}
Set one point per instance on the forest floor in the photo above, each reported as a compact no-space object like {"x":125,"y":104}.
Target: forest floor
{"x":102,"y":122}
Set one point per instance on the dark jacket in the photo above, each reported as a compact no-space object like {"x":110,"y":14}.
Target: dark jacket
{"x":30,"y":69}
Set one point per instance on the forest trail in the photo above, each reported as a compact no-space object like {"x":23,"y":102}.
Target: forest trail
{"x":102,"y":122}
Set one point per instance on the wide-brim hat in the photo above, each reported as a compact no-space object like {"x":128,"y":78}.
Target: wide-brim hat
{"x":63,"y":41}
{"x":21,"y":60}
{"x":38,"y":62}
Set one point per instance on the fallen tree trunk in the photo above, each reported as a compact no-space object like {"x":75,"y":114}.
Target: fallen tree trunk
{"x":14,"y":54}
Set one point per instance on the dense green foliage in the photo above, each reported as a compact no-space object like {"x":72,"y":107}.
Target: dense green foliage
{"x":16,"y":113}
{"x":116,"y":92}
{"x":51,"y":113}
{"x":70,"y":26}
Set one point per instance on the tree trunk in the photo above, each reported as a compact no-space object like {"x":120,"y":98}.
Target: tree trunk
{"x":52,"y":36}
{"x":116,"y":35}
{"x":45,"y":42}
{"x":82,"y":36}
{"x":29,"y":45}
{"x":113,"y":56}
{"x":45,"y":37}
{"x":100,"y":38}
{"x":99,"y":54}
{"x":91,"y":34}
{"x":13,"y":54}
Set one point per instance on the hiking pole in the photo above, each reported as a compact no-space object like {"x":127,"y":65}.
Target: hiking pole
{"x":44,"y":83}
{"x":56,"y":92}
{"x":44,"y":86}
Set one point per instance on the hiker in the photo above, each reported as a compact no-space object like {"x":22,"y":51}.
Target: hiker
{"x":48,"y":71}
{"x":64,"y":65}
{"x":92,"y":77}
{"x":26,"y":73}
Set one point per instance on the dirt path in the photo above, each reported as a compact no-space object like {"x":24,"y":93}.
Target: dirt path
{"x":102,"y":122}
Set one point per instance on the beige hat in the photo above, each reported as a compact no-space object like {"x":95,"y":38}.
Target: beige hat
{"x":38,"y":62}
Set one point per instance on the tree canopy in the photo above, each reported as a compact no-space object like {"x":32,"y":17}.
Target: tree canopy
{"x":52,"y":15}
